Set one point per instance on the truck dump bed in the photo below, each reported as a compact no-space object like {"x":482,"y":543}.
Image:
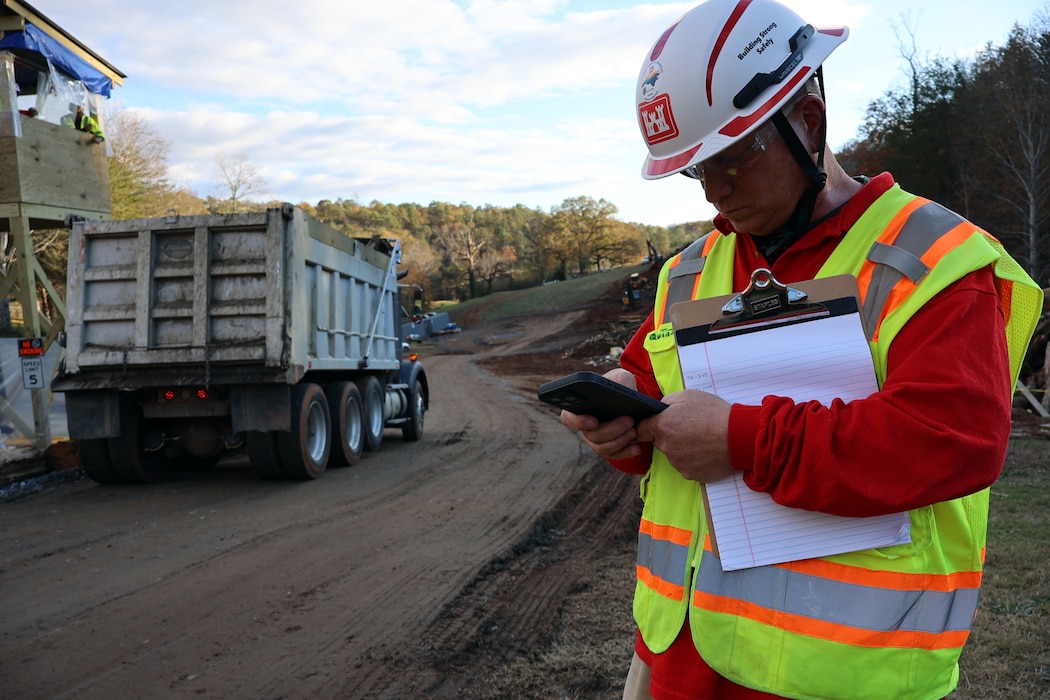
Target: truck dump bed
{"x":275,"y":290}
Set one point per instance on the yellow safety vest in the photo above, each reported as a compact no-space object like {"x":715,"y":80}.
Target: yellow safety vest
{"x":879,"y":624}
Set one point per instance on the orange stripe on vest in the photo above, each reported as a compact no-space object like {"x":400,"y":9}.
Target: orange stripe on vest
{"x":668,"y":533}
{"x":664,"y":588}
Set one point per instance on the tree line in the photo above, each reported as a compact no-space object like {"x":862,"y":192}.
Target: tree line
{"x":462,"y":251}
{"x":973,"y":135}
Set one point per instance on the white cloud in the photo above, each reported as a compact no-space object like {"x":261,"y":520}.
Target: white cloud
{"x":482,"y":101}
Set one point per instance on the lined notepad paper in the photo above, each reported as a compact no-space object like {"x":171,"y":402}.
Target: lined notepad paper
{"x":819,"y":360}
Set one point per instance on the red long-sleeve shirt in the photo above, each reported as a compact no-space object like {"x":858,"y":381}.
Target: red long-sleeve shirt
{"x":937,"y":430}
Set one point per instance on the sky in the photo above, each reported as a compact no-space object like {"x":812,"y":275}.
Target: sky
{"x":482,"y":102}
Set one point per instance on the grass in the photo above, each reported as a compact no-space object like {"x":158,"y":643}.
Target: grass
{"x":1008,"y":655}
{"x":593,"y":643}
{"x":550,"y":297}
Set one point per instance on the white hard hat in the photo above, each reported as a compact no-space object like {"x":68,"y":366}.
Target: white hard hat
{"x":719,"y":73}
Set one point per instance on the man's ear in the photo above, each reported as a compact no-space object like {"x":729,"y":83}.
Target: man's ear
{"x":811,"y":109}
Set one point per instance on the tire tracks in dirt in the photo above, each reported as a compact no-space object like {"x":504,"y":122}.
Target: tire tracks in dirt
{"x":509,"y":610}
{"x":367,"y":583}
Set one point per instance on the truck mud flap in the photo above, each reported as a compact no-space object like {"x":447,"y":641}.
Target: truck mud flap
{"x":261,"y":407}
{"x":93,"y":414}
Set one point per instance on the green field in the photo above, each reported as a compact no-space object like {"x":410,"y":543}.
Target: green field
{"x":550,"y":297}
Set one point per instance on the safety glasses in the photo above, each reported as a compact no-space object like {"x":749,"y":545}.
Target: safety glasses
{"x":738,"y":159}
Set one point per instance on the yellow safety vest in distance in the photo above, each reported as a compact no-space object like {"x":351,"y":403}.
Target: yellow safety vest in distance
{"x":87,"y":123}
{"x":880,"y":624}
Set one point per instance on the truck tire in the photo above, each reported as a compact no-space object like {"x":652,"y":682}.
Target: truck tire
{"x":413,"y":429}
{"x":347,"y":417}
{"x":131,"y":462}
{"x":372,"y":399}
{"x":304,"y":450}
{"x":261,"y":448}
{"x":95,"y":461}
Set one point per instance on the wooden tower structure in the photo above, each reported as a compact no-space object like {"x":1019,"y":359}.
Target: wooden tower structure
{"x":50,"y":172}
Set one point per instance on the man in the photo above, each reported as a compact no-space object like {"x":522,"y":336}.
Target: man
{"x":86,"y":123}
{"x":731,"y":95}
{"x":633,"y":293}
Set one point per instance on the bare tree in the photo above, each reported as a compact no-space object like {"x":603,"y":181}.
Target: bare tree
{"x":495,"y":264}
{"x":239,"y":178}
{"x":462,"y":243}
{"x":423,"y":263}
{"x":908,"y":51}
{"x":137,"y":146}
{"x":138,"y":168}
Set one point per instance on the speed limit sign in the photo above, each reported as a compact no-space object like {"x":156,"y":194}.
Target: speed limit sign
{"x":31,"y":352}
{"x":32,"y":373}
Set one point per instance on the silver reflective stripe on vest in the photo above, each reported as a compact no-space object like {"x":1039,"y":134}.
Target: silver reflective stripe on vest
{"x":903,"y":258}
{"x":899,"y":259}
{"x":851,"y":604}
{"x":665,"y":560}
{"x":682,"y":277}
{"x":687,"y":267}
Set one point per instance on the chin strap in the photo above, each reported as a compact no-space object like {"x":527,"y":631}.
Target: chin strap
{"x":800,"y":218}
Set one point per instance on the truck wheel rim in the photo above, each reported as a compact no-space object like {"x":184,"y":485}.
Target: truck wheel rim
{"x":375,"y":415}
{"x":353,"y":430}
{"x":316,"y":432}
{"x":420,"y":407}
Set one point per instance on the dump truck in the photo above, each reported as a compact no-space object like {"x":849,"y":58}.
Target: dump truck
{"x":266,"y":334}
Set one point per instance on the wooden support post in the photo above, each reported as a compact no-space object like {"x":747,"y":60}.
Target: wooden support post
{"x":21,"y":282}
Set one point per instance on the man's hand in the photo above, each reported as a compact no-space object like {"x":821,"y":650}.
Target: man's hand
{"x":615,"y":439}
{"x":693,"y":433}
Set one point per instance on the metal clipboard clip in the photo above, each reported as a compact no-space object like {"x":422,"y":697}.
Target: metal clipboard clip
{"x":766,"y":302}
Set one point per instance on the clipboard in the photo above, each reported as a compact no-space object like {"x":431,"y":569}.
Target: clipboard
{"x":806,"y":342}
{"x":764,"y":304}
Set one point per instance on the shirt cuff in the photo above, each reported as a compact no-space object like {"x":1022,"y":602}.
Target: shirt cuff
{"x":743,"y":427}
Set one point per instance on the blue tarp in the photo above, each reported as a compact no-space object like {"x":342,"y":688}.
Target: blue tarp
{"x":59,"y":56}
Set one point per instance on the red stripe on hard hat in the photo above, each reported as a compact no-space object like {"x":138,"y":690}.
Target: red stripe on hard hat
{"x":658,"y":47}
{"x":663,"y":166}
{"x":720,"y":42}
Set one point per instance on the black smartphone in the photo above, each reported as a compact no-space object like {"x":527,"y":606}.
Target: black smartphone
{"x":591,"y":394}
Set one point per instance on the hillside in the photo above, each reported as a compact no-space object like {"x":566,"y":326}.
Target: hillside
{"x":601,"y":324}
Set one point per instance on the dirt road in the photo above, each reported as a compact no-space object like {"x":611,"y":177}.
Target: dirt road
{"x":370,"y":582}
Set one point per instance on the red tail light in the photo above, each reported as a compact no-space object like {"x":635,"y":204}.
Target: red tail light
{"x":185,"y":394}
